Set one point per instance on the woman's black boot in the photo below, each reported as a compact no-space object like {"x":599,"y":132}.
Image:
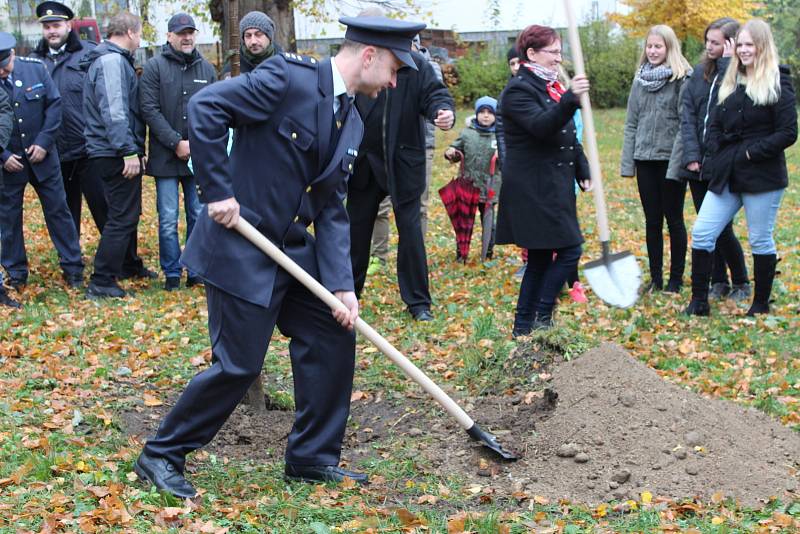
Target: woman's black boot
{"x":701,"y":277}
{"x":764,"y":267}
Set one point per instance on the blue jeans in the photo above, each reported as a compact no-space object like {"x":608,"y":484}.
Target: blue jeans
{"x":718,"y":210}
{"x":168,"y":202}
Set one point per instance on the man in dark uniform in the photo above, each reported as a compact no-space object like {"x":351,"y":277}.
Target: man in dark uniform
{"x":32,"y":156}
{"x":60,"y":49}
{"x":6,"y":127}
{"x":297,"y":135}
{"x":391,"y":162}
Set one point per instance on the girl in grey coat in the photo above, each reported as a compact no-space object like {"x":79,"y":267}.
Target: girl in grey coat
{"x":651,"y":150}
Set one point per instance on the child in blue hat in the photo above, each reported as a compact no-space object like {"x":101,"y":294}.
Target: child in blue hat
{"x":478,"y":144}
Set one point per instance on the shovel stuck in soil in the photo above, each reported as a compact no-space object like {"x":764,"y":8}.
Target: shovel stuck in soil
{"x":615,"y":278}
{"x":450,"y":406}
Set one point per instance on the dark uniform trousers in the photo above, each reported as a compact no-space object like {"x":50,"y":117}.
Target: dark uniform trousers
{"x":78,"y":180}
{"x":412,"y":263}
{"x":56,"y":216}
{"x":116,"y":254}
{"x":323,"y":361}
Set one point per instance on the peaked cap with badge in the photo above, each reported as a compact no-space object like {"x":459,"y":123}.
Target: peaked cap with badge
{"x":394,"y":35}
{"x":53,"y":11}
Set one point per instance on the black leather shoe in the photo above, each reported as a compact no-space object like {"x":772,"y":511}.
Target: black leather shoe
{"x":719,"y":290}
{"x":5,"y":300}
{"x":95,"y":291}
{"x":164,"y":476}
{"x":322,"y":473}
{"x":17,"y":283}
{"x":192,"y":281}
{"x":698,"y":307}
{"x":423,"y":314}
{"x":173,"y":283}
{"x":142,"y":272}
{"x":673,"y":286}
{"x":542,"y":321}
{"x":75,"y":281}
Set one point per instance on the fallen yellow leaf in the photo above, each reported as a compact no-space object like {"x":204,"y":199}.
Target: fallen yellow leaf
{"x":151,"y":400}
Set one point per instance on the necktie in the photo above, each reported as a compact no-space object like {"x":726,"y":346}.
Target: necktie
{"x":8,"y":87}
{"x":341,"y":113}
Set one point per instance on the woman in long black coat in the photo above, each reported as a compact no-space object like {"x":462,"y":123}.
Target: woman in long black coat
{"x":543,"y":158}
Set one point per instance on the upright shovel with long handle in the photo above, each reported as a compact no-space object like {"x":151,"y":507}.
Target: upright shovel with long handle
{"x":615,"y":278}
{"x":450,"y":406}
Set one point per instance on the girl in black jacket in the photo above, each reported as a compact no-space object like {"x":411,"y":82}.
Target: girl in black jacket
{"x":754,"y":122}
{"x":698,"y":101}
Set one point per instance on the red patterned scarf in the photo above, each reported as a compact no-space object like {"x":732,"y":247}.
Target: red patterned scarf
{"x":554,"y":87}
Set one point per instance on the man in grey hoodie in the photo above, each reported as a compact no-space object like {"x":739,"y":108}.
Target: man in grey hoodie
{"x":115,"y":134}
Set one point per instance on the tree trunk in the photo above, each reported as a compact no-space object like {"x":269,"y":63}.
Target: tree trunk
{"x":280,"y":11}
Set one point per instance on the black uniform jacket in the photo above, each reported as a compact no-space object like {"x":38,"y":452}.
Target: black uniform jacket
{"x":37,"y":118}
{"x":284,"y":170}
{"x":543,"y":160}
{"x":738,"y":128}
{"x":68,"y":76}
{"x":419,"y":95}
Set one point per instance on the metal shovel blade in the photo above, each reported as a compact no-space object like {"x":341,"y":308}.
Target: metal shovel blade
{"x":489,"y":440}
{"x":615,"y":278}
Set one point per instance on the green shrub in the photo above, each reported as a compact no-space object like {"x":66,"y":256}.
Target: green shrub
{"x":784,"y":17}
{"x":479,"y":75}
{"x":611,"y":59}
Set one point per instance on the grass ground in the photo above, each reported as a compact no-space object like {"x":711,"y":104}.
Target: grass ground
{"x":69,"y":367}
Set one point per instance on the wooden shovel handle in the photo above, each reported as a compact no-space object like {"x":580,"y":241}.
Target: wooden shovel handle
{"x":411,"y":370}
{"x":588,"y":127}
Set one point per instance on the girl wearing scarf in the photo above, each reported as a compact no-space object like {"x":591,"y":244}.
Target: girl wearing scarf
{"x":651,"y":151}
{"x":543,"y":160}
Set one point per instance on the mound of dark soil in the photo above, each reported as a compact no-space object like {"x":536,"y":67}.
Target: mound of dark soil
{"x":607,"y":428}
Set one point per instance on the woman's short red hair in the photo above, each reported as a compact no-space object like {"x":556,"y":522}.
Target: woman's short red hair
{"x":536,"y":37}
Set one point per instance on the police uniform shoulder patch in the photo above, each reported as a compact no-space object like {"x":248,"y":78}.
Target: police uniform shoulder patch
{"x":300,"y":60}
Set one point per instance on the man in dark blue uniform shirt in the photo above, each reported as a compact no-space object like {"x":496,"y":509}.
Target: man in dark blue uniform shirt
{"x":297,"y":135}
{"x":6,"y":126}
{"x":61,"y":50}
{"x":31,"y":157}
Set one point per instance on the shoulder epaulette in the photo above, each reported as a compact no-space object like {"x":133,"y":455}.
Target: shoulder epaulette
{"x":30,"y":59}
{"x":308,"y":61}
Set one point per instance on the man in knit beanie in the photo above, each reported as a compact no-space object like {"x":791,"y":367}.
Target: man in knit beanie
{"x":258,"y":32}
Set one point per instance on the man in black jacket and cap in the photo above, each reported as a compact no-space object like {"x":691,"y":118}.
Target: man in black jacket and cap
{"x":391,"y":162}
{"x":168,"y":82}
{"x":61,"y":50}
